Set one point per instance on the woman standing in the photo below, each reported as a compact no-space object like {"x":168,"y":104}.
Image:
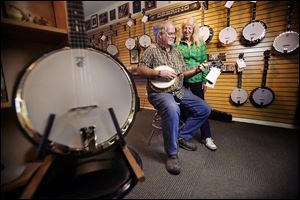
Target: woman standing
{"x":194,"y":53}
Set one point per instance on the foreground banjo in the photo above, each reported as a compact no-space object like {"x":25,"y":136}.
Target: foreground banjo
{"x":254,"y":31}
{"x":145,"y":39}
{"x":288,"y":41}
{"x":228,"y":35}
{"x":263,"y":96}
{"x":77,"y":84}
{"x":130,"y":42}
{"x":205,"y":31}
{"x":239,"y":96}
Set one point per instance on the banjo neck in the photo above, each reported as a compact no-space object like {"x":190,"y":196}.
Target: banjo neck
{"x":77,"y":36}
{"x":266,"y":66}
{"x":144,"y":23}
{"x":101,"y":40}
{"x":113,"y":33}
{"x":253,"y":11}
{"x":129,"y":29}
{"x":289,"y":19}
{"x":202,"y":16}
{"x":228,"y":17}
{"x":240,"y":73}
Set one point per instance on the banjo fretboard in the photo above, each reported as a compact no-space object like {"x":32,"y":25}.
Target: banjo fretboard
{"x":77,"y":33}
{"x":254,"y":11}
{"x":266,"y":67}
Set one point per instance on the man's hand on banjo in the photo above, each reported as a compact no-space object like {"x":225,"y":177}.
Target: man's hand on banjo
{"x":167,"y":75}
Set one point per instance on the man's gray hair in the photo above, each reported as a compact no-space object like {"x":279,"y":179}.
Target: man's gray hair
{"x":163,"y":26}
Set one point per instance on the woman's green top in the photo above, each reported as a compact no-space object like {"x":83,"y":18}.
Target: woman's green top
{"x":193,"y":57}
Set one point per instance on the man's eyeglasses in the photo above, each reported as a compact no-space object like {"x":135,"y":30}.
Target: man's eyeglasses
{"x":170,"y":34}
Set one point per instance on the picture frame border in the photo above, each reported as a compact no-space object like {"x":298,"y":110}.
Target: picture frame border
{"x":133,"y":7}
{"x":150,"y":8}
{"x":125,"y":15}
{"x":94,"y":18}
{"x":106,"y":17}
{"x":112,"y":13}
{"x":132,"y":53}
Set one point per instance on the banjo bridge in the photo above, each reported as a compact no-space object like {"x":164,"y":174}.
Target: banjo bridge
{"x":83,"y":108}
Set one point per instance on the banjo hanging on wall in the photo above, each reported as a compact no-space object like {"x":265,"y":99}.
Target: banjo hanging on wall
{"x":205,"y":31}
{"x":255,"y":31}
{"x":263,"y":96}
{"x":112,"y":49}
{"x":239,"y":96}
{"x":288,"y":41}
{"x":227,"y":35}
{"x":130,"y":43}
{"x":145,"y":39}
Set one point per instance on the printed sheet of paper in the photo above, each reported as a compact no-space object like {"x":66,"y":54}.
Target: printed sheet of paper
{"x":212,"y":77}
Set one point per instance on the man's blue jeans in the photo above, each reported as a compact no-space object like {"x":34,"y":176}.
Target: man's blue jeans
{"x":167,"y":105}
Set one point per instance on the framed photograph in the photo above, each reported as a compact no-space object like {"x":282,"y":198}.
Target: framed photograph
{"x":134,"y":56}
{"x":103,"y":19}
{"x":150,"y":5}
{"x":94,"y":21}
{"x":123,"y":10}
{"x":112,"y":14}
{"x":136,"y":6}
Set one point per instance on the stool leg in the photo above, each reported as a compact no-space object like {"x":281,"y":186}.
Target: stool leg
{"x":150,"y":138}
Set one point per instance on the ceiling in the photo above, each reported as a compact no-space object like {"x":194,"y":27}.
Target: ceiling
{"x":91,"y":7}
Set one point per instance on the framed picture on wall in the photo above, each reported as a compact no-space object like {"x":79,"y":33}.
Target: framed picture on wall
{"x":112,"y":14}
{"x":150,"y":5}
{"x":123,"y":10}
{"x":103,"y":19}
{"x":136,"y":6}
{"x":134,"y":56}
{"x":94,"y":21}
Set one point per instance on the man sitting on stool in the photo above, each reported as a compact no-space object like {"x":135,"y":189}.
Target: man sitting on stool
{"x":167,"y":100}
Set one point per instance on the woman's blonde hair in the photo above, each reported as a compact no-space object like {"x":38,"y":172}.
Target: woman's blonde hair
{"x":196,"y":39}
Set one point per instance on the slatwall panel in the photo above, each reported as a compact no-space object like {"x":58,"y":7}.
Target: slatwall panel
{"x":283,"y":73}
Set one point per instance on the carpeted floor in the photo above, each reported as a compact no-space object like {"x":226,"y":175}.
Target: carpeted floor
{"x":252,"y":161}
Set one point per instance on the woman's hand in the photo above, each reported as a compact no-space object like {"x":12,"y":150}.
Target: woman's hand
{"x":204,"y":87}
{"x":201,"y":67}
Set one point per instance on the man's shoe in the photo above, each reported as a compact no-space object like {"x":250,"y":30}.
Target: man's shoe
{"x":173,"y":165}
{"x":187,"y":145}
{"x":209,"y":143}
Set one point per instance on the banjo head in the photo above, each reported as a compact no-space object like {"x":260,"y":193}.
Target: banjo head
{"x":130,"y":43}
{"x":206,"y":33}
{"x":162,"y":84}
{"x":112,"y":49}
{"x":286,"y":42}
{"x":262,"y":97}
{"x":78,"y":86}
{"x":254,"y":32}
{"x":145,"y":41}
{"x":227,"y":35}
{"x":239,"y":96}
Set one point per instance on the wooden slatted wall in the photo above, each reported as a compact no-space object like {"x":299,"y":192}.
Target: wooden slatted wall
{"x":283,"y":73}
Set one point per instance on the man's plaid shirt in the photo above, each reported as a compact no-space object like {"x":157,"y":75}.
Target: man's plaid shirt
{"x":157,"y":56}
